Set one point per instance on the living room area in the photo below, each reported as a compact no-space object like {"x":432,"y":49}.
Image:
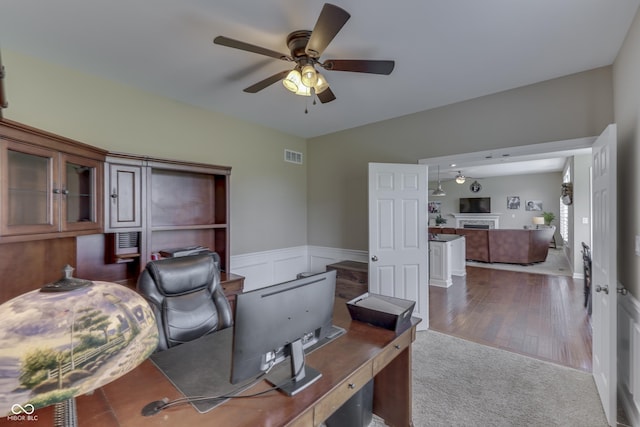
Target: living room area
{"x":524,"y":220}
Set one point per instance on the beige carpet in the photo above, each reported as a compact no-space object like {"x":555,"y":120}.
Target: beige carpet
{"x":461,"y":383}
{"x":556,"y":264}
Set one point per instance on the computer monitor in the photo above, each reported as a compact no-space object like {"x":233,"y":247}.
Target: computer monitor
{"x":282,"y":320}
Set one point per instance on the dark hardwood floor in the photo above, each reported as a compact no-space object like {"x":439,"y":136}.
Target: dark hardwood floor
{"x":532,"y":314}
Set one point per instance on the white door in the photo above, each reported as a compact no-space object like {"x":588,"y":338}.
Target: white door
{"x":604,"y":280}
{"x":398,"y":234}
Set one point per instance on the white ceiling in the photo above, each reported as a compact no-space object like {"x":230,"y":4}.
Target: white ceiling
{"x":522,"y":160}
{"x":445,"y":50}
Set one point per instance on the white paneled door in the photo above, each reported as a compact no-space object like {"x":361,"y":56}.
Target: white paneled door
{"x":398,"y":234}
{"x":604,"y":280}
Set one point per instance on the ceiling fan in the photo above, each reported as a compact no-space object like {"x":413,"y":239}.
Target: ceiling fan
{"x":305,"y":48}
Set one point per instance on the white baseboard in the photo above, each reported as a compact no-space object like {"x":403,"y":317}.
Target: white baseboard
{"x":629,"y":356}
{"x":266,"y":268}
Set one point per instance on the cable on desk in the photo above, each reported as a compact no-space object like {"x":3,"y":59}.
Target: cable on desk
{"x":156,"y":406}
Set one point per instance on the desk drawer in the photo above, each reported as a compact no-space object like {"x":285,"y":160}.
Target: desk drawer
{"x":390,"y":353}
{"x":342,"y":393}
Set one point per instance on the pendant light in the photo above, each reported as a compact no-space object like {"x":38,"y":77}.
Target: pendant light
{"x":460,"y":179}
{"x":438,"y":191}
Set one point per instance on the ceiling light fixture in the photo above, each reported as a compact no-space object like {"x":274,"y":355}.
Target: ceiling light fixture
{"x":301,"y":81}
{"x":293,"y":83}
{"x":309,"y":76}
{"x":438,"y":191}
{"x":460,"y":179}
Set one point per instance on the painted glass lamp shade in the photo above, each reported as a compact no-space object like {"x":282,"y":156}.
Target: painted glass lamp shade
{"x":58,"y":345}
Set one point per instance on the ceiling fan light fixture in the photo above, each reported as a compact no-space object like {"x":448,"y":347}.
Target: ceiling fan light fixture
{"x":322,"y":84}
{"x":293,"y":83}
{"x":309,"y":76}
{"x":460,"y":179}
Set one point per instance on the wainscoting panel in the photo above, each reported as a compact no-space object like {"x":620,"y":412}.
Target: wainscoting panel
{"x":266,"y":268}
{"x":629,"y":356}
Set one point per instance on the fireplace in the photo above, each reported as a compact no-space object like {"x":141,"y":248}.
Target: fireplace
{"x":479,"y":220}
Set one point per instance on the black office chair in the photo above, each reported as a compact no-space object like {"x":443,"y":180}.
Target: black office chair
{"x":186,"y":298}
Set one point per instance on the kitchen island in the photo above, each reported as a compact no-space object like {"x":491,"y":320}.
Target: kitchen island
{"x":446,"y":258}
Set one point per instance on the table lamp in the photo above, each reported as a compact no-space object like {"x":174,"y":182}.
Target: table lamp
{"x":66,"y":339}
{"x":538,"y":221}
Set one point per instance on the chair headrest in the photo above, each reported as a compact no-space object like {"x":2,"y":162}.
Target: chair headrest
{"x":182,"y":275}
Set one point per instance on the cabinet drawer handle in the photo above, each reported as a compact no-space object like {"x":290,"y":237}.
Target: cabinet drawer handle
{"x":352,"y":386}
{"x":65,"y":191}
{"x":397,"y":347}
{"x":56,"y":191}
{"x":114,"y":195}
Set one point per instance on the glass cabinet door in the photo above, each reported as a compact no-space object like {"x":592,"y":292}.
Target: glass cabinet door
{"x":30,"y":203}
{"x":80,"y":206}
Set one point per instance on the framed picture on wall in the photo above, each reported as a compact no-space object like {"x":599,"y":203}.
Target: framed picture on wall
{"x":513,"y":202}
{"x":534,"y":205}
{"x":434,"y":207}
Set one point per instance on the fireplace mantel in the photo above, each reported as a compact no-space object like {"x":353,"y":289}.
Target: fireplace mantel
{"x":490,"y":219}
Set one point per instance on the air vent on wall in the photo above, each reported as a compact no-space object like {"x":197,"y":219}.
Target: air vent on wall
{"x":122,"y":247}
{"x":128,"y":240}
{"x":292,"y":156}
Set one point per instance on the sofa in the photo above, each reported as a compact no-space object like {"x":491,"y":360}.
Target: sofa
{"x":514,"y":246}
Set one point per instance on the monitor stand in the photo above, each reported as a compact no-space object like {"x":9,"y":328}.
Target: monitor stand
{"x":287,"y":380}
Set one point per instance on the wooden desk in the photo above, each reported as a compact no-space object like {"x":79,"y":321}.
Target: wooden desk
{"x":346,"y":365}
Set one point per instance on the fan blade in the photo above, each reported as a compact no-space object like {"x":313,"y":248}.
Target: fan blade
{"x":359,"y":66}
{"x":326,"y":96}
{"x":236,"y":44}
{"x":267,"y":82}
{"x":331,"y":20}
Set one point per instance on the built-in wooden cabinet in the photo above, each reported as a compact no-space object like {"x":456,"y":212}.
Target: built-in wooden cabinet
{"x":66,"y":202}
{"x":50,"y":186}
{"x":166,"y":204}
{"x":125,"y":194}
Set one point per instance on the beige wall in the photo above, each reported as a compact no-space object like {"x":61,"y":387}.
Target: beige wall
{"x":626,"y":87}
{"x":268,"y":203}
{"x":575,"y":106}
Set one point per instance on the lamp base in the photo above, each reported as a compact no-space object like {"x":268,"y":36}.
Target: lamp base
{"x":65,"y":414}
